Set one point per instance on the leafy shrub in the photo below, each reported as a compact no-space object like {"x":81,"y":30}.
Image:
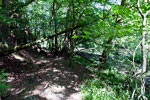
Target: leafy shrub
{"x":108,"y":85}
{"x":3,"y":86}
{"x":137,"y":58}
{"x":83,"y":61}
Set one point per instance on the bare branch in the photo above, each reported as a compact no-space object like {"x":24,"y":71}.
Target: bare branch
{"x":147,"y":12}
{"x":138,"y":7}
{"x":135,"y":52}
{"x":133,"y":94}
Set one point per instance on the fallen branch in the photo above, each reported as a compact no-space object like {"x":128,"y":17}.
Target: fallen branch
{"x":86,"y":58}
{"x":17,"y":48}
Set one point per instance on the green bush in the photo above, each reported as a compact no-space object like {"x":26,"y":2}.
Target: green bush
{"x":3,"y":86}
{"x":108,"y":85}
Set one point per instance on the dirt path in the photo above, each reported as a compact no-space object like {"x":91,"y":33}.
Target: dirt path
{"x":51,"y":79}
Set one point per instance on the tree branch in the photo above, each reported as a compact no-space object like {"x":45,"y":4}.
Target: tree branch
{"x":138,"y":8}
{"x":17,"y":48}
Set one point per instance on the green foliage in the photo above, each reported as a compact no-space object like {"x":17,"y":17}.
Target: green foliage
{"x":84,"y":61}
{"x":121,"y":24}
{"x":108,"y":85}
{"x":81,"y":60}
{"x":138,"y":57}
{"x":75,"y":37}
{"x":3,"y":86}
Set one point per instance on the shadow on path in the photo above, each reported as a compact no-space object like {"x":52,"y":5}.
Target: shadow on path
{"x":45,"y":78}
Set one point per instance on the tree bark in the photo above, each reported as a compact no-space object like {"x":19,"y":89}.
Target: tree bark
{"x":144,"y":55}
{"x":143,"y":50}
{"x":55,"y":24}
{"x":66,"y":38}
{"x":71,"y":47}
{"x":109,"y":42}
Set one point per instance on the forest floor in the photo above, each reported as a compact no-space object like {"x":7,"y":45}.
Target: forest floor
{"x":33,"y":76}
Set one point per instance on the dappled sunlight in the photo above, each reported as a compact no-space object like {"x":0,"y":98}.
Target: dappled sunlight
{"x":18,"y":57}
{"x":75,"y":96}
{"x":59,"y":49}
{"x":42,"y":61}
{"x":10,"y":79}
{"x":52,"y":80}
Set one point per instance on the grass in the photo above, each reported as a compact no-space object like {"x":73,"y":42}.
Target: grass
{"x":107,"y":85}
{"x":3,"y":86}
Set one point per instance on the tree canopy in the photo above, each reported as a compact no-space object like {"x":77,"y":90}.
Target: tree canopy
{"x":113,"y":32}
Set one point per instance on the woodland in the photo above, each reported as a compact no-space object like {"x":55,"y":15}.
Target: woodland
{"x":74,"y":50}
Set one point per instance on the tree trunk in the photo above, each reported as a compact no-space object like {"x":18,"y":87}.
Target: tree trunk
{"x":109,"y":42}
{"x":143,"y":50}
{"x":55,"y":23}
{"x":71,"y":47}
{"x":106,"y":51}
{"x":65,"y":47}
{"x":144,"y":55}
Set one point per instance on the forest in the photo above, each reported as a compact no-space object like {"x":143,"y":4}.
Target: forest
{"x":74,"y":50}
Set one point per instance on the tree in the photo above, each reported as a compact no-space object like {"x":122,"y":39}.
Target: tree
{"x":143,"y":14}
{"x":143,"y":11}
{"x":109,"y":42}
{"x":14,"y":26}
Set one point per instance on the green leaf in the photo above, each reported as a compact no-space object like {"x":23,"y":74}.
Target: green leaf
{"x":74,"y":37}
{"x":86,"y":32}
{"x":86,"y":36}
{"x":96,"y":34}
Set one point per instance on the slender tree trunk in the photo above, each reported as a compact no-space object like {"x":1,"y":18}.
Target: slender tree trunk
{"x":55,"y":24}
{"x":106,"y":51}
{"x":66,"y":38}
{"x":143,"y":50}
{"x":71,"y":48}
{"x":143,"y":46}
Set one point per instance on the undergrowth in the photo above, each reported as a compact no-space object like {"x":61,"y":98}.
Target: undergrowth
{"x":107,"y":84}
{"x":3,"y":86}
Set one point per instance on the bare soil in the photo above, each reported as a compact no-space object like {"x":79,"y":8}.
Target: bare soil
{"x":33,"y":76}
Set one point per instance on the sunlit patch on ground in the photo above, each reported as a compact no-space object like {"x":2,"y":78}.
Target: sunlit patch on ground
{"x":51,"y":79}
